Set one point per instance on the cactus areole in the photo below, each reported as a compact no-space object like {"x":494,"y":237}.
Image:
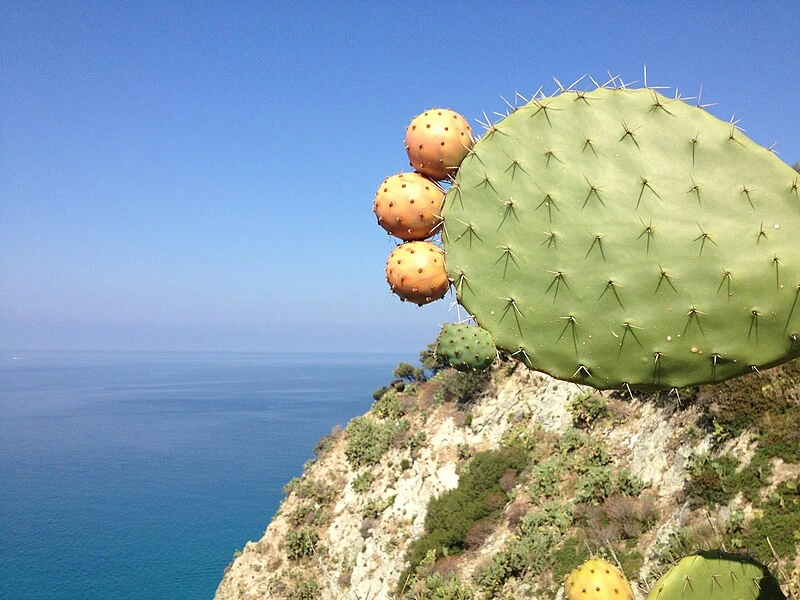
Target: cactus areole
{"x":617,"y":237}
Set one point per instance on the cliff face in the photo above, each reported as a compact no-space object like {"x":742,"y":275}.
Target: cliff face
{"x":639,"y":479}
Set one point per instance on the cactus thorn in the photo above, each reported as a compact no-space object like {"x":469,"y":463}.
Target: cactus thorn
{"x":761,"y":233}
{"x":597,"y":240}
{"x":754,"y":314}
{"x":777,"y":263}
{"x":703,"y":237}
{"x":593,"y":189}
{"x":746,"y":191}
{"x":646,"y":184}
{"x":558,"y":279}
{"x":665,"y":277}
{"x":629,"y":133}
{"x":648,"y":231}
{"x":583,"y":372}
{"x":543,"y":107}
{"x":791,"y":310}
{"x":573,"y":323}
{"x":588,"y":143}
{"x":695,"y":188}
{"x":507,"y":254}
{"x":550,"y":154}
{"x":469,"y":229}
{"x":612,"y":285}
{"x":551,"y":239}
{"x":693,"y":314}
{"x":512,"y":304}
{"x":513,"y":168}
{"x":726,"y":277}
{"x":549,"y":202}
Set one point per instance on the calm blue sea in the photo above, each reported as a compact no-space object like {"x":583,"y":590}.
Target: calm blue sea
{"x":137,"y":475}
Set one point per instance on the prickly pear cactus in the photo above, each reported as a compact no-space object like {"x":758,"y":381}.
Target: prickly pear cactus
{"x":465,"y":347}
{"x":597,"y":579}
{"x":618,"y":237}
{"x":717,"y":575}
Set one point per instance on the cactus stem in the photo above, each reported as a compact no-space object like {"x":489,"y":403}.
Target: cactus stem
{"x":693,"y":315}
{"x":696,"y":189}
{"x":551,"y":239}
{"x":665,"y":277}
{"x":702,"y":238}
{"x":648,"y":231}
{"x":610,"y":284}
{"x":791,"y":311}
{"x":597,"y":240}
{"x":593,"y":189}
{"x":507,"y":255}
{"x":558,"y":279}
{"x":629,"y":133}
{"x":726,"y":278}
{"x":646,"y":184}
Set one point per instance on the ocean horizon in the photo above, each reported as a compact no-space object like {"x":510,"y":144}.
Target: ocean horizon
{"x":137,"y":475}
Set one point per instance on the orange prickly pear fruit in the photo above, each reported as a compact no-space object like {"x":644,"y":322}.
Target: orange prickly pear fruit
{"x":437,"y":141}
{"x":597,"y":579}
{"x":415,"y":272}
{"x":409,"y":206}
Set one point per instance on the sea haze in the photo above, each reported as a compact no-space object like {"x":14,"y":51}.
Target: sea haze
{"x":137,"y":475}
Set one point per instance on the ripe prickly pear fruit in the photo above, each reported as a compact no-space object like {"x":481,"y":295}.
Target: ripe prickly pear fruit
{"x":409,"y":206}
{"x":465,"y":347}
{"x":597,"y":579}
{"x":437,"y":141}
{"x":717,"y":575}
{"x":415,"y":272}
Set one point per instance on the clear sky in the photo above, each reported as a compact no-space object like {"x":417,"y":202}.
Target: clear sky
{"x":200,"y":175}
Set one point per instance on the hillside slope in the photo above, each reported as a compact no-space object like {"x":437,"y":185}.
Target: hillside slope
{"x":478,"y":486}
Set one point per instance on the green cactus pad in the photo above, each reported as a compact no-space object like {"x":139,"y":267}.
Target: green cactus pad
{"x":717,"y":575}
{"x":618,"y":237}
{"x":465,"y":347}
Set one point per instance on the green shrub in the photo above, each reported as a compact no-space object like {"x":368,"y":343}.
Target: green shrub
{"x":362,"y":482}
{"x":367,"y":441}
{"x":301,"y":543}
{"x":588,"y":408}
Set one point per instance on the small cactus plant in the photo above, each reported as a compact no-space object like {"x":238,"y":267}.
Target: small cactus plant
{"x":717,"y":575}
{"x":465,"y":347}
{"x":597,"y":579}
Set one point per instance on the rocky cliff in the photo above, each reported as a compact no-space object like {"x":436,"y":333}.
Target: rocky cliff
{"x":482,"y":486}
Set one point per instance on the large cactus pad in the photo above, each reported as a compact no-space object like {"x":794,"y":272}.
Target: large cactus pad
{"x":617,"y":237}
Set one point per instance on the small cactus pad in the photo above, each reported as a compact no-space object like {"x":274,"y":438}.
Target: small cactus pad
{"x":465,"y":347}
{"x":409,"y":206}
{"x":597,"y":579}
{"x":437,"y":141}
{"x":717,"y":575}
{"x":415,"y":272}
{"x":618,"y":237}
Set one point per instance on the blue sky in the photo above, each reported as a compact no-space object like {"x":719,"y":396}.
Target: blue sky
{"x":199,"y":176}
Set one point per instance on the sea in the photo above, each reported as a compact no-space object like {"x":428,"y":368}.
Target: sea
{"x":137,"y":475}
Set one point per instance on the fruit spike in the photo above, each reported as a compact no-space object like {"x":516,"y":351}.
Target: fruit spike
{"x":597,"y":579}
{"x":617,"y":237}
{"x":717,"y":575}
{"x":437,"y":141}
{"x":465,"y":347}
{"x":415,"y":272}
{"x":409,"y":206}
